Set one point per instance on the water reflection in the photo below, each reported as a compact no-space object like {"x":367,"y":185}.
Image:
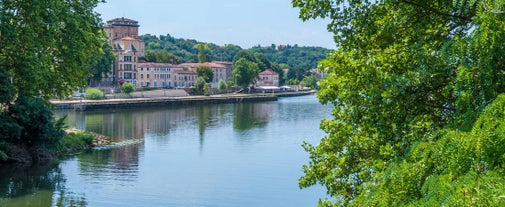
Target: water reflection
{"x":136,"y":123}
{"x":35,"y":185}
{"x":113,"y":163}
{"x":248,"y":116}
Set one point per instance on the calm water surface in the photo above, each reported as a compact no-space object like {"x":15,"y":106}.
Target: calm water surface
{"x":215,"y":155}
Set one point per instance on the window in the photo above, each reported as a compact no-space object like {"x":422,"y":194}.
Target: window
{"x":127,"y":58}
{"x":147,"y":75}
{"x":120,"y":66}
{"x":127,"y":66}
{"x":128,"y":75}
{"x":141,"y":76}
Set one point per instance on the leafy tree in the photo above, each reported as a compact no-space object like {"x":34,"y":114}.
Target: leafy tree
{"x":263,"y":62}
{"x":310,"y":81}
{"x":222,"y":85}
{"x":202,"y":47}
{"x":412,"y":83}
{"x":161,"y":56}
{"x":246,"y":54}
{"x":206,"y":73}
{"x":127,"y":88}
{"x":245,"y":72}
{"x":101,"y":63}
{"x":199,"y":86}
{"x":46,"y":52}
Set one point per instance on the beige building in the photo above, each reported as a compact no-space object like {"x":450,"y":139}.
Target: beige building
{"x":184,"y":78}
{"x":123,"y":37}
{"x":155,"y":75}
{"x":268,"y":78}
{"x":221,"y":70}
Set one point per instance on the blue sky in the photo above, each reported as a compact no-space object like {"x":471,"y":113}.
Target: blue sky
{"x":241,"y":22}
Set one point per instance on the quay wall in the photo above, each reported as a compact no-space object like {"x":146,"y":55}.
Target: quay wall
{"x":163,"y":101}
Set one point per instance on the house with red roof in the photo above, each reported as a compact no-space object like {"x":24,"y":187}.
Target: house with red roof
{"x":268,"y":78}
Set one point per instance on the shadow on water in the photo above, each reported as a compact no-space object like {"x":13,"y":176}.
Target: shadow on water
{"x":35,"y":185}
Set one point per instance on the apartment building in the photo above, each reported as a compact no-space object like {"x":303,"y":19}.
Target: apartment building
{"x":221,"y":70}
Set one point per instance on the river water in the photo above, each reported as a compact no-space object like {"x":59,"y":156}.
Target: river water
{"x":246,"y":154}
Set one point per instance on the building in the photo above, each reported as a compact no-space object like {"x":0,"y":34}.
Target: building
{"x":221,"y":70}
{"x":123,"y":37}
{"x":184,"y":78}
{"x":268,"y":78}
{"x":156,"y":75}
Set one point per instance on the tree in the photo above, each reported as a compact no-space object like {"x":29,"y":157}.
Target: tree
{"x":222,"y":85}
{"x":199,"y":86}
{"x":202,"y":56}
{"x":127,"y":88}
{"x":246,"y":54}
{"x":310,"y":81}
{"x":263,"y":62}
{"x":101,"y":63}
{"x":412,"y":83}
{"x":46,"y":52}
{"x":205,"y":72}
{"x":161,"y":56}
{"x":245,"y":72}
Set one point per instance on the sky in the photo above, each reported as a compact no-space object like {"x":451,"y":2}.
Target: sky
{"x":246,"y":23}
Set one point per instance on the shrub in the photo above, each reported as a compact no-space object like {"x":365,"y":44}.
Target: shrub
{"x":222,"y":85}
{"x":127,"y":88}
{"x":94,"y":94}
{"x":75,"y":141}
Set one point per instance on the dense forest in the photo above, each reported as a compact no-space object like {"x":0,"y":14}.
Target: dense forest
{"x":179,"y":50}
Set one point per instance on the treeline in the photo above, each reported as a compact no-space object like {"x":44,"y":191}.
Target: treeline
{"x":165,"y":48}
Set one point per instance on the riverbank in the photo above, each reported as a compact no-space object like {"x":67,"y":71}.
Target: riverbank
{"x":73,"y":142}
{"x":125,"y":102}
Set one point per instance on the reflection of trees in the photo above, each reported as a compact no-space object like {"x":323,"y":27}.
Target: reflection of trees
{"x":122,"y":161}
{"x":251,"y":115}
{"x":38,"y":185}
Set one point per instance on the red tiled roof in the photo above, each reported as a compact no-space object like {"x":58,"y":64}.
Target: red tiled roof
{"x":130,"y":39}
{"x":157,"y":65}
{"x":194,"y":65}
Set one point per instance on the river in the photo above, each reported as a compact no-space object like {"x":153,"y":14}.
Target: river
{"x":246,"y":154}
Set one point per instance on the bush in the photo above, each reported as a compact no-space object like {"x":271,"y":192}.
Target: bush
{"x":222,"y":85}
{"x":127,"y":88}
{"x":94,"y":94}
{"x":75,"y":141}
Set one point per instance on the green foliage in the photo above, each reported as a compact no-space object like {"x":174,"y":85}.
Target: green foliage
{"x":206,"y":89}
{"x":245,"y":72}
{"x":127,"y":88}
{"x":101,"y":62}
{"x":293,"y":81}
{"x":161,"y":56}
{"x":408,"y":82}
{"x":202,"y":56}
{"x":94,"y":94}
{"x":30,"y":122}
{"x":199,"y":86}
{"x":185,"y":49}
{"x":73,"y":141}
{"x":246,"y":54}
{"x":293,"y":57}
{"x":206,"y":73}
{"x":221,"y":85}
{"x":46,"y":53}
{"x":310,"y":81}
